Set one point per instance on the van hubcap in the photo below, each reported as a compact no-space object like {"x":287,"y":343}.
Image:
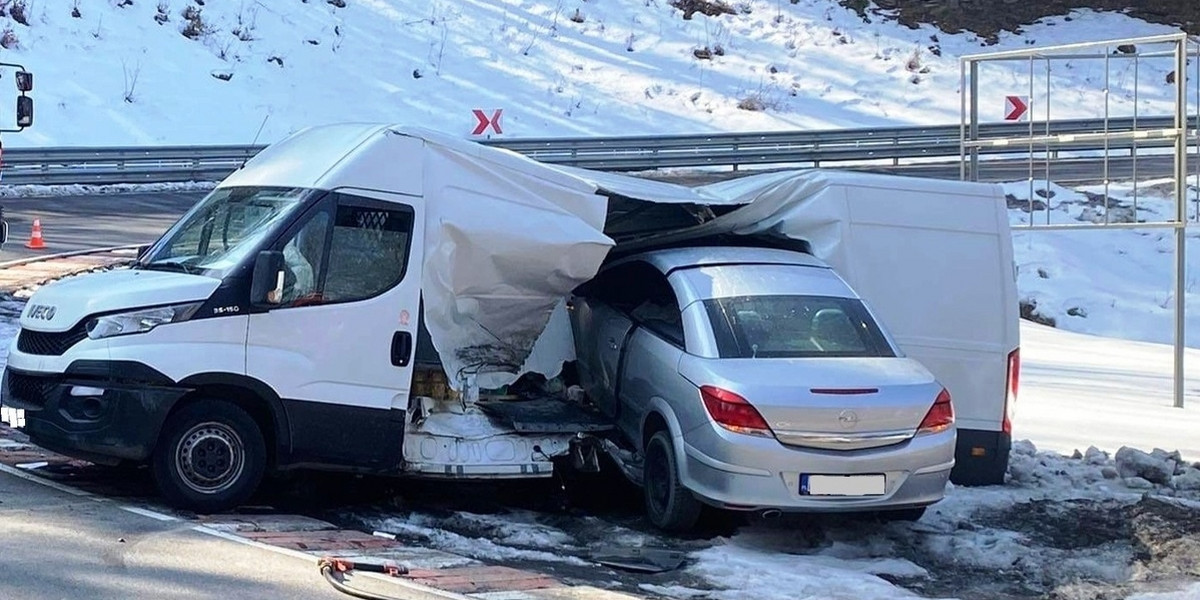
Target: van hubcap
{"x":210,"y":457}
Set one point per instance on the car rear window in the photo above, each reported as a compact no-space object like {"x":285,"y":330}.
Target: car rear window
{"x":791,"y":326}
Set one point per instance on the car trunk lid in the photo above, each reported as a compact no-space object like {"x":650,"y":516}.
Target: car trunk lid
{"x":827,"y":403}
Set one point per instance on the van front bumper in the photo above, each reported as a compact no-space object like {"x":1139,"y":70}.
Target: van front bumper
{"x":102,"y":411}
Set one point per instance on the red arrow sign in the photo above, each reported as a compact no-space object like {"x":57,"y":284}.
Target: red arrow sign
{"x":484,"y":122}
{"x":1015,"y":107}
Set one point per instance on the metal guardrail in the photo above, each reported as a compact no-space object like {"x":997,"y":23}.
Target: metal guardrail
{"x":899,"y":145}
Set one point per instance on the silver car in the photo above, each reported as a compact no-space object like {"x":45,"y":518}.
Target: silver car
{"x":755,"y":379}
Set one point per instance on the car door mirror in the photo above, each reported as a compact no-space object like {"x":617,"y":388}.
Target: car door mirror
{"x":266,"y":285}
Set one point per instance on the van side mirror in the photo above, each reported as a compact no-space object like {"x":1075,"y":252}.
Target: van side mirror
{"x":24,"y":111}
{"x":24,"y":81}
{"x":266,"y":285}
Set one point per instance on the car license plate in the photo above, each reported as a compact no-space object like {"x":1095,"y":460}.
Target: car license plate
{"x":842,"y":485}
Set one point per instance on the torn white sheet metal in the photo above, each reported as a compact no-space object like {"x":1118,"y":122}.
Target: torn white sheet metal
{"x":647,"y":189}
{"x":506,"y":239}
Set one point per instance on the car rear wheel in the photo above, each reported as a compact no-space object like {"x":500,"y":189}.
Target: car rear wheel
{"x":211,"y":457}
{"x":669,"y":505}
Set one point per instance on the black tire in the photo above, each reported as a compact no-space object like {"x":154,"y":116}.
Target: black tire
{"x":210,"y":457}
{"x":669,"y":505}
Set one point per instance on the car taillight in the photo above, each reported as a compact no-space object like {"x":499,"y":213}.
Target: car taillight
{"x":1013,"y":382}
{"x":733,"y":412}
{"x":940,"y":416}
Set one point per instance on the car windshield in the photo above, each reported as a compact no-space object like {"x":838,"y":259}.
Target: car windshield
{"x":793,"y":326}
{"x":224,"y":228}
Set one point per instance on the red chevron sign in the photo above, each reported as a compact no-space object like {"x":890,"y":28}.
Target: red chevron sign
{"x":1015,"y":107}
{"x":484,"y":122}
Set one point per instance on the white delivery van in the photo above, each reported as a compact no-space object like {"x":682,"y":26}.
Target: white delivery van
{"x":378,"y":299}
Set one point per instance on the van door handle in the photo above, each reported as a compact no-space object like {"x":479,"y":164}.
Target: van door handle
{"x":612,"y":343}
{"x":401,"y":348}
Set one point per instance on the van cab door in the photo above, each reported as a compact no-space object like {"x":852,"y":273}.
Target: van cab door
{"x":338,"y":348}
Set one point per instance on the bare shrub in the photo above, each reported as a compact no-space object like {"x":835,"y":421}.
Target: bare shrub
{"x":163,"y":15}
{"x":19,"y":11}
{"x":75,"y":10}
{"x":8,"y":39}
{"x":131,"y":80}
{"x":914,"y":61}
{"x":709,"y":8}
{"x":754,"y":102}
{"x":195,"y":26}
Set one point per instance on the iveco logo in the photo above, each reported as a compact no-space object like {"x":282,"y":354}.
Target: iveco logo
{"x":848,"y":419}
{"x":41,"y":311}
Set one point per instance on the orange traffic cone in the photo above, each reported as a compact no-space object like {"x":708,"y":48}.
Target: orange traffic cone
{"x":35,"y":239}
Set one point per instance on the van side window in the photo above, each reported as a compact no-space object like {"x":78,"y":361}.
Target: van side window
{"x":354,"y":250}
{"x":368,"y":254}
{"x":642,"y":292}
{"x":303,"y":258}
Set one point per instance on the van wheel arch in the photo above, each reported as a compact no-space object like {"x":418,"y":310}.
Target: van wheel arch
{"x":258,"y":400}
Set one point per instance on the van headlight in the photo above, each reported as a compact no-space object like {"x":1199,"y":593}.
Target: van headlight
{"x":139,"y":321}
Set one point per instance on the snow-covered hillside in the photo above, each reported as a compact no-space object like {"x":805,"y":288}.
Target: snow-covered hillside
{"x":1118,"y":283}
{"x":113,"y":72}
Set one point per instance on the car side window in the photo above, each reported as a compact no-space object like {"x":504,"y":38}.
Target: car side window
{"x":644,"y":294}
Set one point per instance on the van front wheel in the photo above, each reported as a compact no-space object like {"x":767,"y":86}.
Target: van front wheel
{"x":211,"y":457}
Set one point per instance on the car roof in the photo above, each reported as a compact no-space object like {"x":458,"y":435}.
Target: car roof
{"x":680,"y":258}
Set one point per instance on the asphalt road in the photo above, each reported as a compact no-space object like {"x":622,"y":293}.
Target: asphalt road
{"x":57,"y":545}
{"x":72,"y":223}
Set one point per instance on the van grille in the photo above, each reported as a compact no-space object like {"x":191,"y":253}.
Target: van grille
{"x":49,"y":344}
{"x":29,"y":390}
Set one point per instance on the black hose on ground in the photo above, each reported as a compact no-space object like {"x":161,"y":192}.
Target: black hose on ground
{"x":333,"y":569}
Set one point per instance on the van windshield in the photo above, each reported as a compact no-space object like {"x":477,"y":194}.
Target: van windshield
{"x":794,"y":326}
{"x":223,"y":229}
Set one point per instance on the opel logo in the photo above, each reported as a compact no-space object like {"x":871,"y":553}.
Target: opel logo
{"x":848,"y":419}
{"x":41,"y":311}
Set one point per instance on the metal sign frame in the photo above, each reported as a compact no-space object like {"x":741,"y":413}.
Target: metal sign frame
{"x":1179,"y":137}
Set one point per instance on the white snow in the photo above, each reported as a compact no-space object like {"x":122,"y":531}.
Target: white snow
{"x":510,"y":538}
{"x":749,"y":573}
{"x":82,"y":189}
{"x":116,"y":76}
{"x":1081,"y":390}
{"x":1191,"y":593}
